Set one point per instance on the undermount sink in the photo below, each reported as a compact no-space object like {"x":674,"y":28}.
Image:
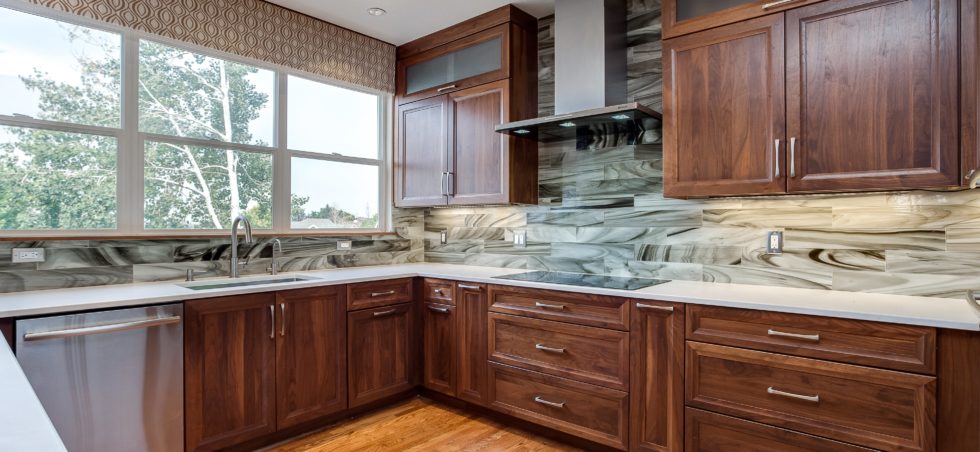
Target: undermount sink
{"x":252,"y":282}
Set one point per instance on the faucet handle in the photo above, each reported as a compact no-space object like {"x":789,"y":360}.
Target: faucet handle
{"x":191,"y":273}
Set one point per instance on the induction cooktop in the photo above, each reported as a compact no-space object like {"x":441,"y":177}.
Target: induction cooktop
{"x":577,"y":279}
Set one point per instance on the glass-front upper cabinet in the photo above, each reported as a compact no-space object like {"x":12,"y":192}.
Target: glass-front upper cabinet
{"x":477,"y":59}
{"x":681,"y":17}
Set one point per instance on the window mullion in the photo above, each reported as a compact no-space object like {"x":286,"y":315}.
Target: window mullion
{"x":130,"y":152}
{"x":281,"y":162}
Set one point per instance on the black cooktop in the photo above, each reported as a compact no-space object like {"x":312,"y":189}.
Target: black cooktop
{"x":577,"y":279}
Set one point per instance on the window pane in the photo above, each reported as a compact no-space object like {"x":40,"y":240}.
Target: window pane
{"x":333,"y":195}
{"x":191,"y":187}
{"x":328,"y":119}
{"x":190,"y":95}
{"x":57,"y":71}
{"x":56,"y":180}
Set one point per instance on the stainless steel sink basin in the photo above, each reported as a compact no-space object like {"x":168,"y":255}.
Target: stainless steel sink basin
{"x":253,"y":282}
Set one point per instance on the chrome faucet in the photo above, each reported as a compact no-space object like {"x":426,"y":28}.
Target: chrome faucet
{"x":234,"y":242}
{"x":274,"y":268}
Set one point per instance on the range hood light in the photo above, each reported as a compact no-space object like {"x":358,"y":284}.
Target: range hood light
{"x":567,"y":124}
{"x":522,"y":131}
{"x":622,"y":117}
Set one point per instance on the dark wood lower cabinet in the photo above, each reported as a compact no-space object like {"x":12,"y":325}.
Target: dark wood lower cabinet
{"x":382,"y":351}
{"x":711,"y":432}
{"x":229,"y":370}
{"x":472,"y":380}
{"x":439,"y":348}
{"x":657,"y":376}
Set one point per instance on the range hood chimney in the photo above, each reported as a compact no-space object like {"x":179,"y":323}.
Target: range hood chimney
{"x":590,"y":78}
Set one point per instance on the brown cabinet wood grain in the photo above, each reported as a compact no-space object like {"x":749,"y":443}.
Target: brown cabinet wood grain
{"x":712,"y":432}
{"x":311,"y":354}
{"x":439,"y":348}
{"x":687,"y":16}
{"x":872,"y":94}
{"x":724,"y":111}
{"x":229,"y":370}
{"x":970,"y":87}
{"x":472,"y":379}
{"x":438,"y":291}
{"x":874,"y":408}
{"x":656,"y":376}
{"x":479,"y":157}
{"x":579,"y":308}
{"x":375,"y":294}
{"x":382,"y":353}
{"x":421,"y":159}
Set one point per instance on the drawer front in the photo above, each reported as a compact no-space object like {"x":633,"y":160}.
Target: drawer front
{"x":860,"y":405}
{"x":439,"y":291}
{"x":375,"y":294}
{"x":591,"y":412}
{"x":890,"y":346}
{"x":591,"y":355}
{"x":582,"y":309}
{"x":711,"y":432}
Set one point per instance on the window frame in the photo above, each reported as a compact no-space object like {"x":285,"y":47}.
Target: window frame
{"x":130,"y":153}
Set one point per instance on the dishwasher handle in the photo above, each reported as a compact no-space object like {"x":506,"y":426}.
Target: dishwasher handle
{"x":101,"y":329}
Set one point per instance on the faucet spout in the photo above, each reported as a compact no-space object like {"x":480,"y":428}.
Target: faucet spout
{"x":241,"y":219}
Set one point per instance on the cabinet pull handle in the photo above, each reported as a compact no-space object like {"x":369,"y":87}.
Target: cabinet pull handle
{"x":654,"y":307}
{"x":449,"y":184}
{"x":444,"y":191}
{"x":777,"y":158}
{"x":805,"y":398}
{"x":272,"y":321}
{"x":467,"y":286}
{"x":792,"y":157}
{"x":556,"y":307}
{"x":779,"y":3}
{"x":437,"y":292}
{"x":384,"y":313}
{"x":282,"y":321}
{"x":381,"y":294}
{"x":439,"y":310}
{"x":545,"y":348}
{"x":542,"y":401}
{"x":445,"y":88}
{"x":805,"y":337}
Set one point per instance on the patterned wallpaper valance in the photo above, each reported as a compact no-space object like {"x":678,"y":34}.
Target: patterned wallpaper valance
{"x":253,"y":29}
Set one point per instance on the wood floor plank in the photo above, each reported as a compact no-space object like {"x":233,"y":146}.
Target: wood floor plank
{"x":421,"y":425}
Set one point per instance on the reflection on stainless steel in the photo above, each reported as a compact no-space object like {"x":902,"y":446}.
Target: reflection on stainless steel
{"x":109,"y":381}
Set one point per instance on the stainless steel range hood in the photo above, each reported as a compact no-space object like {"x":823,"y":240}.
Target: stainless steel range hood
{"x":590,"y":78}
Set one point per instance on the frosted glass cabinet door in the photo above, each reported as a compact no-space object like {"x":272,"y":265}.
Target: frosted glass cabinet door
{"x":681,"y":17}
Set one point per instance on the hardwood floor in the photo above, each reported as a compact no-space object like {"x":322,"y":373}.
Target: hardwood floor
{"x":421,"y":425}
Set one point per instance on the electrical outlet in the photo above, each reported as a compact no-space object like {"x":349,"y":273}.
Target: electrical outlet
{"x":22,"y":255}
{"x":774,"y":244}
{"x":443,"y":237}
{"x":520,"y":239}
{"x":344,"y":245}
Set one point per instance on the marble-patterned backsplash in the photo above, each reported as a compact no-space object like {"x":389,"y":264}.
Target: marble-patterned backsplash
{"x":79,"y":263}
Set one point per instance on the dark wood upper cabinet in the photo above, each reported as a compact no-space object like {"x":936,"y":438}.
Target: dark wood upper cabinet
{"x":229,"y":370}
{"x":478,"y":157}
{"x":724,"y":111}
{"x":970,"y":87}
{"x":439,"y":348}
{"x":872,"y":95}
{"x":472,"y":374}
{"x":422,"y":160}
{"x":311,"y":354}
{"x":382,"y":353}
{"x":657,"y":376}
{"x":687,"y":16}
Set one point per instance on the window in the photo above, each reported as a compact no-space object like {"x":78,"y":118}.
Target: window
{"x":205,"y":138}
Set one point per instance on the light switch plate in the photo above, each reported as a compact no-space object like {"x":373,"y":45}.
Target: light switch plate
{"x":344,"y":245}
{"x":520,"y":239}
{"x":24,"y":255}
{"x":774,"y":242}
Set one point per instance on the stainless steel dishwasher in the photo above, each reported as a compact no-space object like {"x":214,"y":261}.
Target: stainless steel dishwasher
{"x":110,"y":380}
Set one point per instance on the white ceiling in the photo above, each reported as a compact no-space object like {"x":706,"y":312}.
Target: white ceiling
{"x":406,"y":19}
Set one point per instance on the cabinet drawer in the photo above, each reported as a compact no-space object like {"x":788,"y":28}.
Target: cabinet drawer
{"x":591,"y":412}
{"x":591,"y":355}
{"x":375,"y":294}
{"x":439,"y":291}
{"x":583,"y":309}
{"x":898,"y":347}
{"x":869,"y":407}
{"x":711,"y":432}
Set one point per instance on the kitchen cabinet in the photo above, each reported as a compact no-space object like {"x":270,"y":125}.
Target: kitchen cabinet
{"x":970,"y":89}
{"x":376,"y":294}
{"x":708,"y":432}
{"x":472,"y":379}
{"x":724,"y":111}
{"x":439,"y":348}
{"x":421,"y":162}
{"x":687,"y":16}
{"x":657,"y":376}
{"x":382,"y":352}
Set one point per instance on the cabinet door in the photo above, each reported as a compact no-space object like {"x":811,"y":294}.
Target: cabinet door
{"x":472,"y":379}
{"x":657,"y":376}
{"x":871,"y":91}
{"x":420,"y":159}
{"x":229,"y":370}
{"x":687,"y":16}
{"x":970,"y":89}
{"x":382,"y":353}
{"x":439,"y":348}
{"x":479,"y":156}
{"x":311,"y":354}
{"x":724,"y":111}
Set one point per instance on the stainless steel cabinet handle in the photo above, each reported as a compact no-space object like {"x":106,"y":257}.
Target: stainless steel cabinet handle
{"x":101,"y":329}
{"x":777,"y":157}
{"x":792,"y":157}
{"x":544,"y":348}
{"x":538,"y":399}
{"x":444,"y":190}
{"x":467,"y":286}
{"x":805,"y":337}
{"x":779,"y":3}
{"x":439,"y":310}
{"x":381,"y":294}
{"x":654,"y":307}
{"x":556,"y":307}
{"x":272,"y":320}
{"x":282,"y":324}
{"x":384,"y":313}
{"x":449,"y":183}
{"x":445,"y":88}
{"x":438,"y":291}
{"x":806,"y":398}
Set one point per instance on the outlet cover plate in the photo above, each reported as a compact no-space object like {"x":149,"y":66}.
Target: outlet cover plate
{"x":774,"y":242}
{"x":24,"y":255}
{"x":520,"y":239}
{"x":344,"y":245}
{"x":443,"y":237}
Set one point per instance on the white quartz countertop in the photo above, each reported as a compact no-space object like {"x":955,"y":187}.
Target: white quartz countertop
{"x":24,"y":426}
